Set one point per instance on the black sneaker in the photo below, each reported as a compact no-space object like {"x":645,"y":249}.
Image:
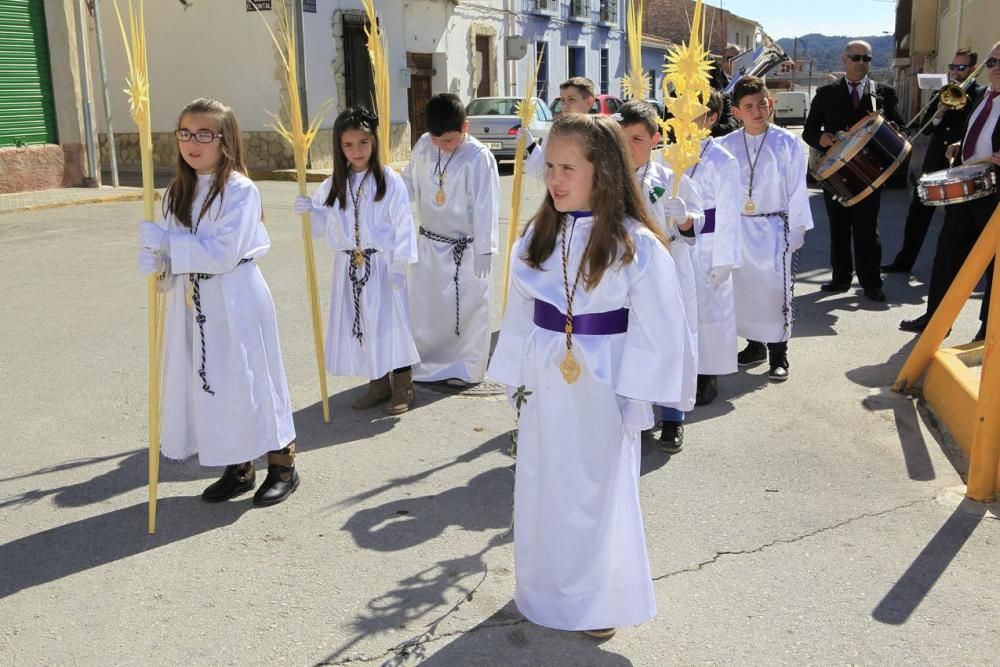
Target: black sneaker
{"x":708,"y":389}
{"x":672,"y":437}
{"x":754,"y":353}
{"x":237,"y":479}
{"x":779,"y":367}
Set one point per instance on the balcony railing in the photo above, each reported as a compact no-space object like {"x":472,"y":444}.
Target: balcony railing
{"x":547,"y":7}
{"x":609,"y":12}
{"x":579,"y":10}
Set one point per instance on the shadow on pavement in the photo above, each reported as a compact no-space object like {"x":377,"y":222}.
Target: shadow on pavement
{"x":75,"y":547}
{"x":918,"y":580}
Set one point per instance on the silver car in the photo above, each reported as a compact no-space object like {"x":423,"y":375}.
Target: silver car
{"x":494,"y":122}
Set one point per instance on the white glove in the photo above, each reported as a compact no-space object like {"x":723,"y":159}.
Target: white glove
{"x":719,"y":275}
{"x":796,"y":238}
{"x":525,"y":133}
{"x":151,"y":235}
{"x":303,"y":204}
{"x":675,"y":209}
{"x":149,"y":262}
{"x":481,"y":265}
{"x":398,"y":281}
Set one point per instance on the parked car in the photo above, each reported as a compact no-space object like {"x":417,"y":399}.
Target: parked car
{"x":790,"y":108}
{"x":494,"y":122}
{"x":660,"y":109}
{"x":604,"y":105}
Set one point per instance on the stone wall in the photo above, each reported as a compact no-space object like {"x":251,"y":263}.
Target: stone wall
{"x":24,"y":168}
{"x":671,"y":19}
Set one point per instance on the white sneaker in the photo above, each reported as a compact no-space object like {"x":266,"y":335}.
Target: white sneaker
{"x":456,"y":382}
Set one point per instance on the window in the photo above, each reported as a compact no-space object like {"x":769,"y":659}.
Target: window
{"x":652,"y":84}
{"x":576,"y":64}
{"x":605,"y":71}
{"x":609,"y":11}
{"x":579,"y":9}
{"x":542,"y":58}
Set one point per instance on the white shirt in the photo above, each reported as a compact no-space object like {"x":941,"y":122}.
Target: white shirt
{"x":983,"y":149}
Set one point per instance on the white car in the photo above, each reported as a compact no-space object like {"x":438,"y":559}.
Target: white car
{"x":790,"y":108}
{"x":494,"y":122}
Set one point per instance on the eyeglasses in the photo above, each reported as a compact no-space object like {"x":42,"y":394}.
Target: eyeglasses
{"x":858,"y":58}
{"x":960,"y":68}
{"x":991,"y":63}
{"x":201,"y":136}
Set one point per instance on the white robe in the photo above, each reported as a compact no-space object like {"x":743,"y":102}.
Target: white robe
{"x":471,"y":211}
{"x":763,"y":284}
{"x":250,"y":412}
{"x":656,"y":185}
{"x":387,"y":227}
{"x":717,"y":179}
{"x":534,"y":162}
{"x":579,"y":549}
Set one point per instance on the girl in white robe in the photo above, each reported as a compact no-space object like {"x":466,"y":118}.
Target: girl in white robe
{"x":716,"y":255}
{"x":593,"y":335}
{"x":364,"y":214}
{"x":225,"y":396}
{"x":775,"y":216}
{"x":454,"y":181}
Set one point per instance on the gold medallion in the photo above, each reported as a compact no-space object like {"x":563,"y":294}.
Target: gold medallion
{"x":569,"y":368}
{"x":749,"y":207}
{"x":439,"y":198}
{"x":359,"y":257}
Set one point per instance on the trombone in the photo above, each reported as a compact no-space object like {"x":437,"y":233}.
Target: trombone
{"x":951,"y":95}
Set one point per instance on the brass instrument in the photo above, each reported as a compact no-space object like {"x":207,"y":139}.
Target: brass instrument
{"x":951,"y":95}
{"x":771,"y":56}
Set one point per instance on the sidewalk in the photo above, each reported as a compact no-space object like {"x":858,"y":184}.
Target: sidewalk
{"x":58,"y":197}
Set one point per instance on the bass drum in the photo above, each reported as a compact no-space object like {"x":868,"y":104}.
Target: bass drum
{"x":962,"y":183}
{"x":871,"y":151}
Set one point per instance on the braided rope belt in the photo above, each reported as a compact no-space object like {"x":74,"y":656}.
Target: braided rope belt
{"x":357,"y":284}
{"x":195,"y":279}
{"x":788,"y":277}
{"x":458,"y":247}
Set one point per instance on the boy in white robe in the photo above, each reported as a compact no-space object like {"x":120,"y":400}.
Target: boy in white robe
{"x":677,"y":218}
{"x":774,"y":218}
{"x":716,"y":254}
{"x":454,"y":181}
{"x":576,"y":95}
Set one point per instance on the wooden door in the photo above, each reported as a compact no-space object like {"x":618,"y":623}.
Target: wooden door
{"x":485,"y":76}
{"x":421,"y":72}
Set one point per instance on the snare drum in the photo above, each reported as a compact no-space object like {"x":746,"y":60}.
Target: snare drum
{"x":951,"y":186}
{"x":857,"y":166}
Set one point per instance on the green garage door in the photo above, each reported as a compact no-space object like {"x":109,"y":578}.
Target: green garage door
{"x":27,"y":115}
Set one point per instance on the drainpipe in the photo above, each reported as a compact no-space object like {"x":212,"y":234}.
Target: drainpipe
{"x":91,"y":181}
{"x":511,"y":65}
{"x":112,"y":151}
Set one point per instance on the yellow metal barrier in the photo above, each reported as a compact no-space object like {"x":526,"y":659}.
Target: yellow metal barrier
{"x":984,"y":453}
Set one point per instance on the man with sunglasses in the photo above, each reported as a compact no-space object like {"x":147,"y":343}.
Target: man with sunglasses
{"x":835,"y":108}
{"x":944,"y":128}
{"x":965,"y":221}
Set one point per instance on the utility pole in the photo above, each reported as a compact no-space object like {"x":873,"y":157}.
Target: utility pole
{"x":93,"y":169}
{"x":811,"y":61}
{"x":112,"y":153}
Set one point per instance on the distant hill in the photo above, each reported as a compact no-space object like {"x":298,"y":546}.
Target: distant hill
{"x":827,"y":50}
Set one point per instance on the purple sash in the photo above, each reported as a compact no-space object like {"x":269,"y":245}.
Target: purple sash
{"x":611,"y":322}
{"x":709,"y":221}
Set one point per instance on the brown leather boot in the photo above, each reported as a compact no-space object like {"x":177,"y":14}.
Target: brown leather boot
{"x":402,"y":393}
{"x":378,"y":392}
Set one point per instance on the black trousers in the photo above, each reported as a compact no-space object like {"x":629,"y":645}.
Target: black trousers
{"x":918,"y":221}
{"x":963,"y":223}
{"x":857,"y":224}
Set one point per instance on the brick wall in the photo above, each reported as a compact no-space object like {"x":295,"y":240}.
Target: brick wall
{"x":669,"y":19}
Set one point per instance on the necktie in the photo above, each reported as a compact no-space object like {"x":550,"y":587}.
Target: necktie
{"x":855,"y":94}
{"x":971,"y":139}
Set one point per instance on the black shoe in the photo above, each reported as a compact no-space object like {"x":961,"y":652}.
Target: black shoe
{"x":875,"y":294}
{"x":895,"y":267}
{"x":981,"y":334}
{"x":235,"y":480}
{"x":672,"y":437}
{"x":752,"y":354}
{"x":779,"y":367}
{"x":916,"y":325}
{"x":281,"y":482}
{"x":835,"y":287}
{"x":708,"y":389}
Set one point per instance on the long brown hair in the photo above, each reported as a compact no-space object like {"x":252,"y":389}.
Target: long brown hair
{"x":362,"y":119}
{"x":614,"y":197}
{"x":181,"y":191}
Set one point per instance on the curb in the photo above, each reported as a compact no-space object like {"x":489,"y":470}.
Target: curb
{"x":105,"y":199}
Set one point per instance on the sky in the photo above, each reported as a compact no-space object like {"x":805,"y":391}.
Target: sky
{"x":793,"y":18}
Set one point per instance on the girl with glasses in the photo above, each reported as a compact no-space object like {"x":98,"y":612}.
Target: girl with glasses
{"x":225,"y":396}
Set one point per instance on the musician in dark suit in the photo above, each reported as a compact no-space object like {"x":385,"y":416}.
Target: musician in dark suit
{"x":835,"y":108}
{"x":719,"y":78}
{"x":965,"y":221}
{"x":944,"y":126}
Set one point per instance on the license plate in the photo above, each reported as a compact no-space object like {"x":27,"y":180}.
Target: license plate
{"x":493,"y":145}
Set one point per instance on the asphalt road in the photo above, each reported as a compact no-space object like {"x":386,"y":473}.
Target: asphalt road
{"x":816,"y":522}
